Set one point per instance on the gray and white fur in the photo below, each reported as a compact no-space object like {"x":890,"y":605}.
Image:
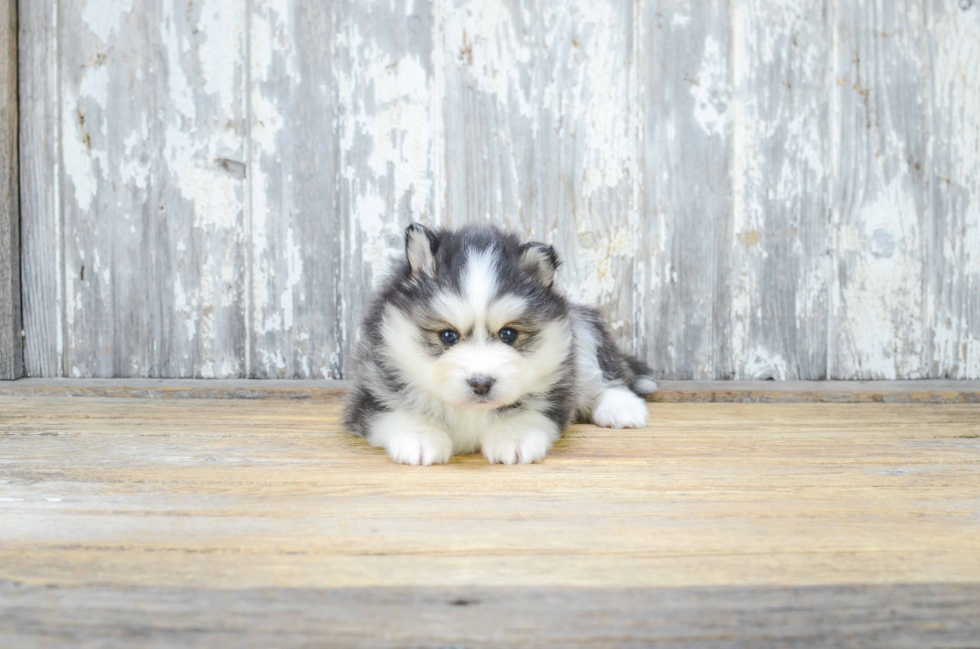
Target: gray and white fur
{"x":468,"y":346}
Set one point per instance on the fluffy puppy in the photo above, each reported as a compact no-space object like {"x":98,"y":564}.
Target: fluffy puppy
{"x":468,"y":346}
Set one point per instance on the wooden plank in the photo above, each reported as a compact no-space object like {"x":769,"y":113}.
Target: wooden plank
{"x":152,"y":122}
{"x":329,"y":211}
{"x":881,"y":203}
{"x":960,"y":391}
{"x":721,"y":521}
{"x":295,"y":235}
{"x":11,"y":351}
{"x":726,"y":524}
{"x":779,"y":270}
{"x":896,"y":616}
{"x":40,"y":186}
{"x":391,"y":173}
{"x":952,"y":262}
{"x":121,"y":492}
{"x":541,"y":138}
{"x":687,"y":189}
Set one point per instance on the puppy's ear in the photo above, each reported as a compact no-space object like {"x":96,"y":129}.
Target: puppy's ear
{"x":540,"y":261}
{"x":420,"y":250}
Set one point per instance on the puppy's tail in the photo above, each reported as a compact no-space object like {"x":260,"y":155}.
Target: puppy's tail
{"x":643,"y":382}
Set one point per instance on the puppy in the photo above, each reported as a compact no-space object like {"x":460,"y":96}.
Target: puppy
{"x":469,"y":346}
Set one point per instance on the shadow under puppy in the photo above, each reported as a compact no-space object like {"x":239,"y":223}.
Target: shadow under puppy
{"x":468,"y":346}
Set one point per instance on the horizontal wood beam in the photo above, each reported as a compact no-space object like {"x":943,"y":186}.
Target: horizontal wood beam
{"x":670,"y":391}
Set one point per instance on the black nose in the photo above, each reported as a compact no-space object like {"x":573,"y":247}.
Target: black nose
{"x":481,"y":384}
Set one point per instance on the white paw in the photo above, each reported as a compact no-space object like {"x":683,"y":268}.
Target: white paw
{"x":620,"y":408}
{"x":516,"y":446}
{"x":420,"y":447}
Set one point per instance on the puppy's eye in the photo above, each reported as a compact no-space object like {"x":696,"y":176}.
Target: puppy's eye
{"x":508,"y":335}
{"x":448,"y":337}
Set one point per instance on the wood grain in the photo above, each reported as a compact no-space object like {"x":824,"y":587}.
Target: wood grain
{"x":952,"y":331}
{"x":11,"y":351}
{"x":687,"y":189}
{"x":153,"y":198}
{"x":294,"y":232}
{"x":390,"y":126}
{"x":542,"y":139}
{"x":42,"y":269}
{"x":135,"y":152}
{"x":881,"y":209}
{"x":798,"y":517}
{"x":780,"y":270}
{"x":894,"y":616}
{"x":747,"y":189}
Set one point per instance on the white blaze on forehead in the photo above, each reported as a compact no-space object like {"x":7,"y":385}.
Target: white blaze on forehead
{"x":480,"y":280}
{"x":476,"y":309}
{"x":468,"y":311}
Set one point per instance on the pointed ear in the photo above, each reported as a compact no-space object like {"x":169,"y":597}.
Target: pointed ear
{"x":540,"y":261}
{"x":420,"y":250}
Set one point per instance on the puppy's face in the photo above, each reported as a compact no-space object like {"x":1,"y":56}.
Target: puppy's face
{"x":479,"y":326}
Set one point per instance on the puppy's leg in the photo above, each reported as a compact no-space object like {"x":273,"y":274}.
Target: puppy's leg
{"x":619,"y":407}
{"x":520,"y":439}
{"x":410,"y":439}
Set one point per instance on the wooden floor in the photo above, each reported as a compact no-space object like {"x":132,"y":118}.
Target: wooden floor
{"x":254,"y":523}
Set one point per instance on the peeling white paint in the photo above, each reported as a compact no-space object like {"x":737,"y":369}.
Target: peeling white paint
{"x":954,"y":300}
{"x":84,"y":134}
{"x":761,"y":364}
{"x":220,"y":51}
{"x":558,"y":94}
{"x":711,"y":90}
{"x":597,"y":256}
{"x":105,"y":17}
{"x":679,"y":19}
{"x":883,"y":295}
{"x":401,"y":105}
{"x":777,"y":269}
{"x":483,"y":40}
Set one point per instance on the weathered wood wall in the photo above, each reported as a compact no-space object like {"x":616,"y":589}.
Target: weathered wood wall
{"x":11,"y":355}
{"x":749,"y":188}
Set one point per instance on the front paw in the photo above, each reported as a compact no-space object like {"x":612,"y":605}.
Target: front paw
{"x":516,"y":446}
{"x":620,"y":408}
{"x":420,"y":447}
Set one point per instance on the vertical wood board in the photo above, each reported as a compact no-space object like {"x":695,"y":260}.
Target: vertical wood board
{"x":687,"y":188}
{"x":780,"y":265}
{"x":880,"y":199}
{"x":293,"y":230}
{"x":390,"y":132}
{"x":148,"y":189}
{"x":542,"y":137}
{"x":953,"y":254}
{"x":42,"y":243}
{"x":11,"y":353}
